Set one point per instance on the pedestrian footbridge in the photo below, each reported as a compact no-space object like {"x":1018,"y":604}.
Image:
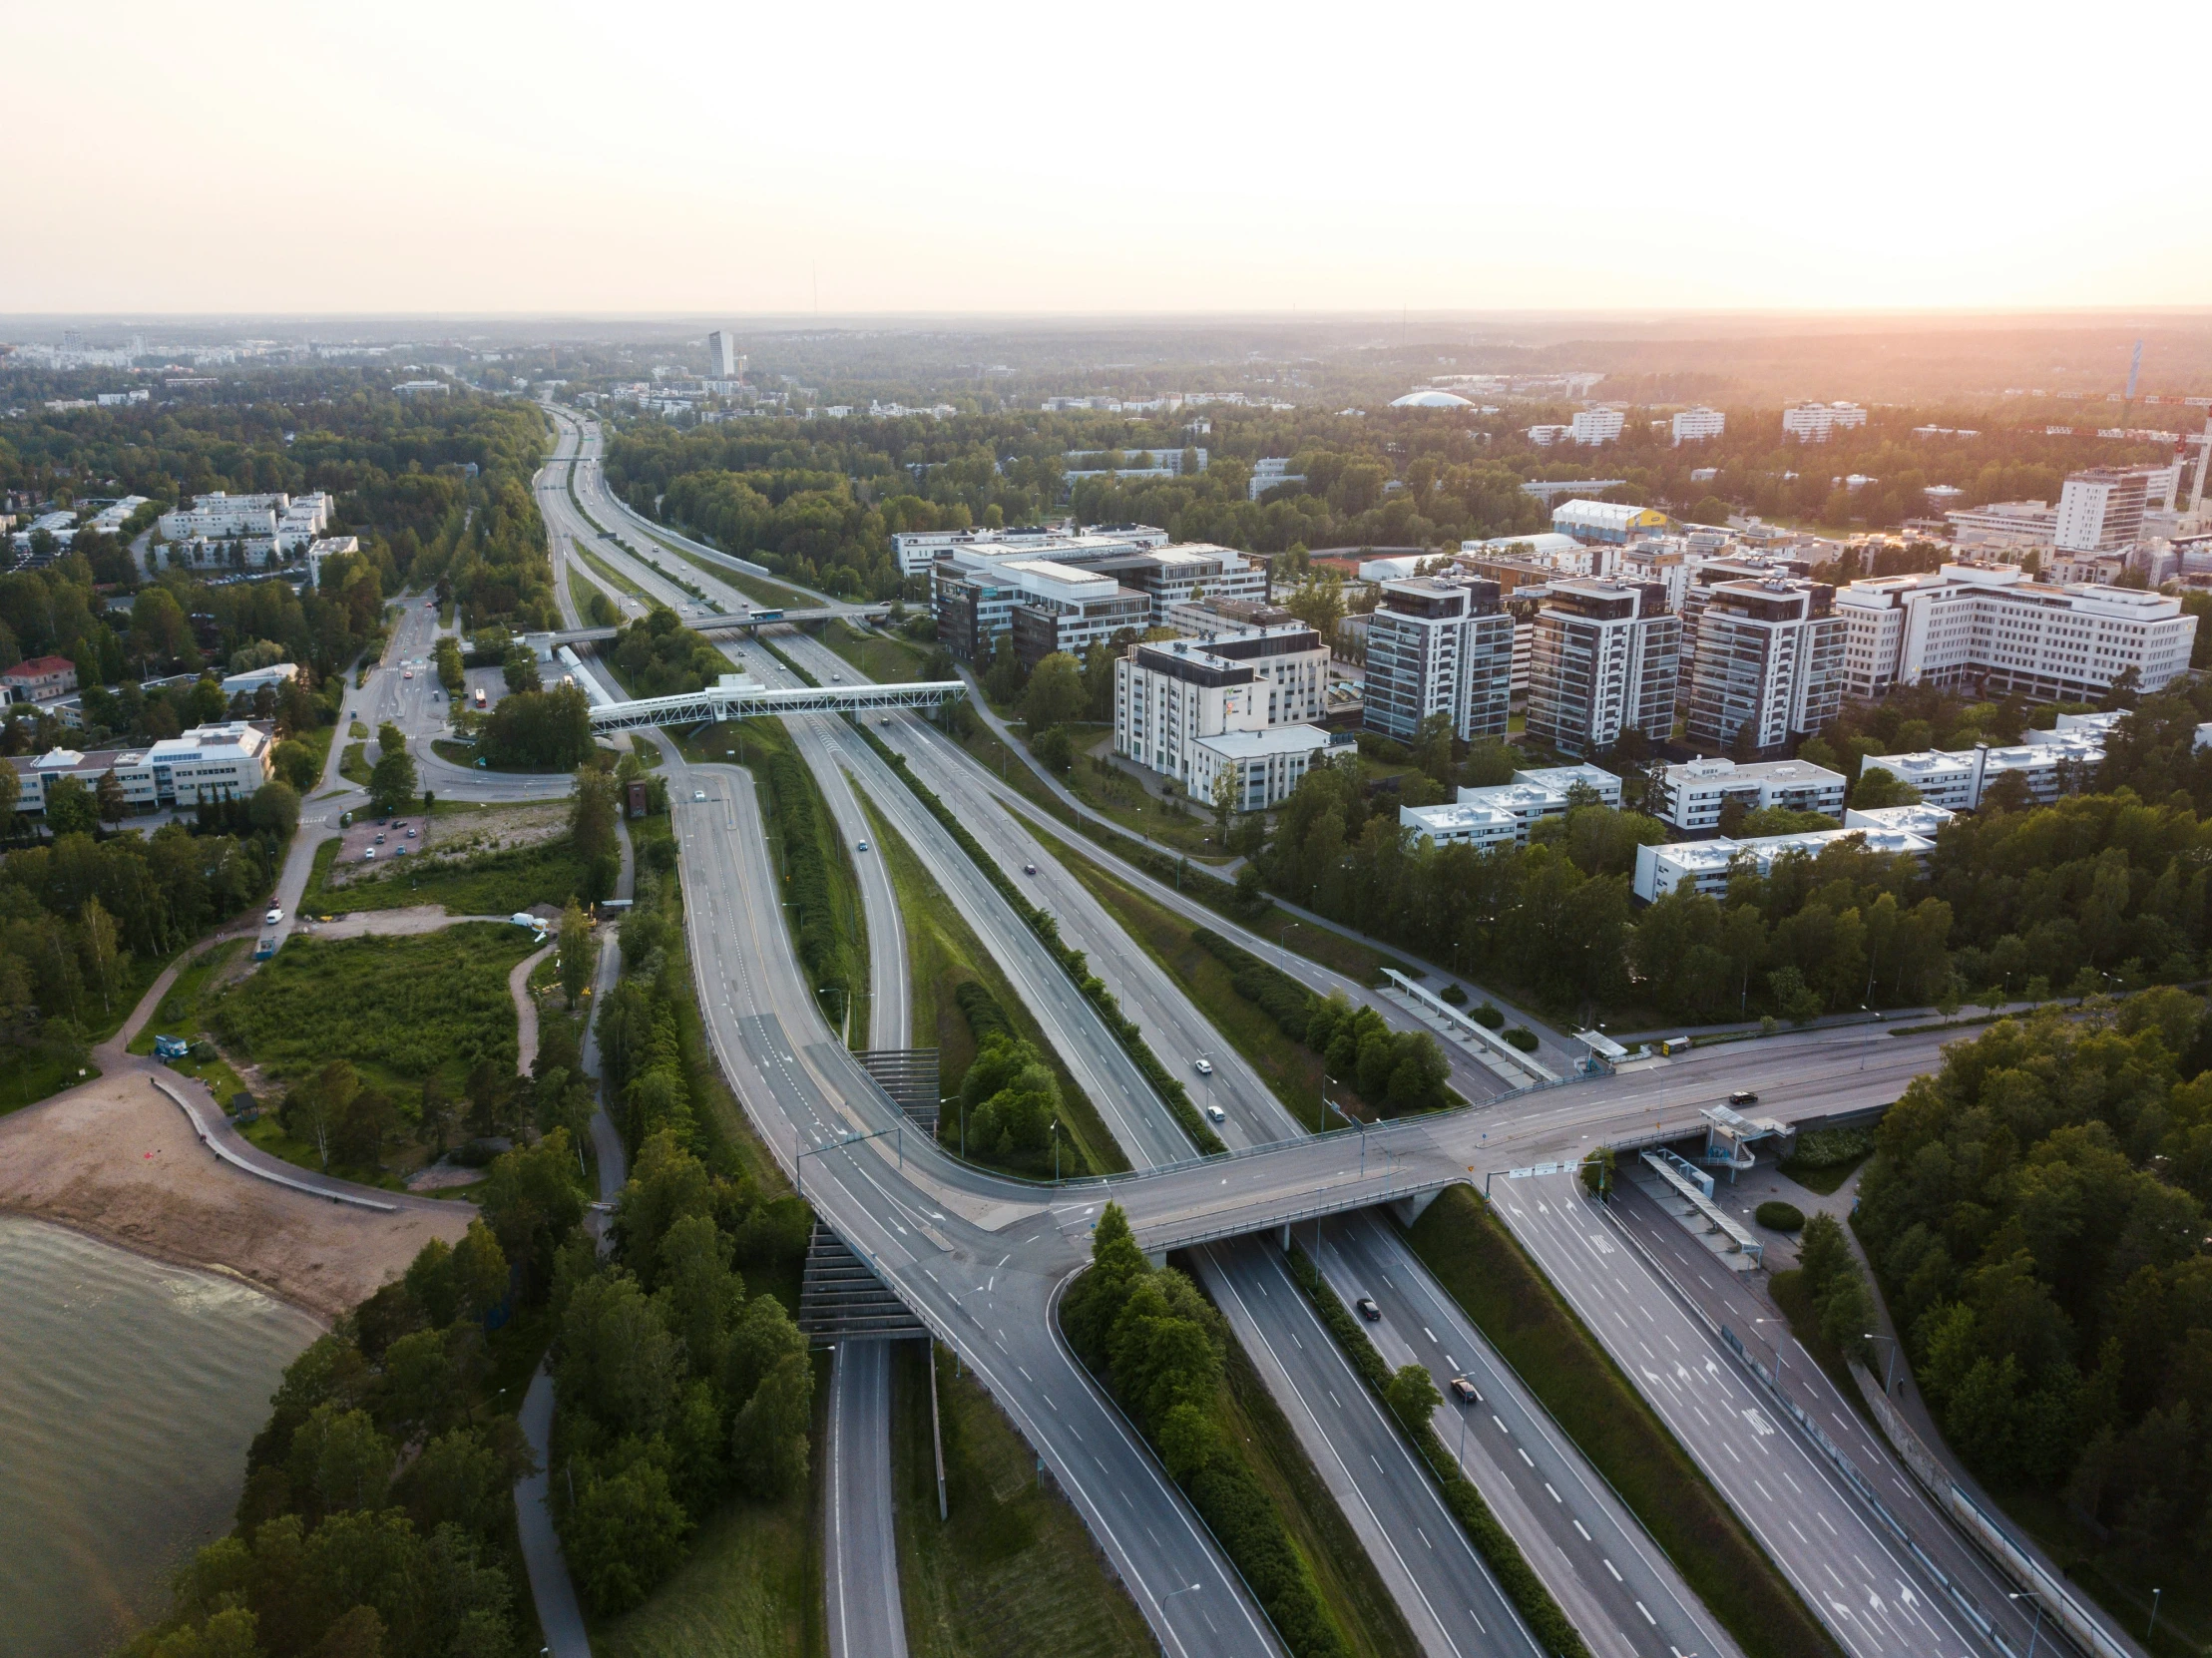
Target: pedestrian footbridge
{"x":738,"y":696}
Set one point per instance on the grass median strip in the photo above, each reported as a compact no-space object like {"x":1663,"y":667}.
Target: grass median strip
{"x":1507,"y":1563}
{"x":943,"y":954}
{"x":1072,"y":962}
{"x":829,"y":929}
{"x":1560,"y":1361}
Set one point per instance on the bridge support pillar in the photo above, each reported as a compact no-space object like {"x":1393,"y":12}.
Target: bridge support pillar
{"x":1410,"y":1210}
{"x":1286,"y":1237}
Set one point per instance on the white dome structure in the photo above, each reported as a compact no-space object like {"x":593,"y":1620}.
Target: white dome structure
{"x":1430,"y":400}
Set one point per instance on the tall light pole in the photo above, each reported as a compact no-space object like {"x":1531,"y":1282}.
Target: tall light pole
{"x":2038,"y":1625}
{"x":1328,"y":1105}
{"x":1889,"y":1374}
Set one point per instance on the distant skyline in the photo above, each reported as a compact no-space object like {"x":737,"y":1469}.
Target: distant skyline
{"x":668,"y":157}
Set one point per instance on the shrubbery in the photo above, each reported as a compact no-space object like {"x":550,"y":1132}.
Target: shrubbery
{"x":1393,"y":1071}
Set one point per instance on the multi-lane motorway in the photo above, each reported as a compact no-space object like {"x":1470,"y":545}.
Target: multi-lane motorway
{"x":980,"y":1257}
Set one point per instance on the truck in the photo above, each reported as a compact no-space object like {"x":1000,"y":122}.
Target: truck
{"x":167,"y":1049}
{"x":480,"y":701}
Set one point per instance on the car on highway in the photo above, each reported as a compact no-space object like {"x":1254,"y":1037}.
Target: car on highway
{"x":698,"y":794}
{"x":861,"y":846}
{"x":275,"y":915}
{"x":1368,"y":1310}
{"x":1464,"y":1391}
{"x":1216,"y":1114}
{"x":1743,"y":1097}
{"x":1206,"y":1067}
{"x":1028,"y":869}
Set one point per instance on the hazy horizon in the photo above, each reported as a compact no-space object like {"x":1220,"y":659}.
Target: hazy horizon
{"x":985,"y":161}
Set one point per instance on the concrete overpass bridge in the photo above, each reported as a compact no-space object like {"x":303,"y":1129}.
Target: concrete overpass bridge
{"x":744,"y":698}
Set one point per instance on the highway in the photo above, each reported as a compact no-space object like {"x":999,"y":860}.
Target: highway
{"x":1193,"y":1202}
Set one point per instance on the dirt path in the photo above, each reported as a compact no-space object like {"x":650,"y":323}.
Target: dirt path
{"x":526,"y":1009}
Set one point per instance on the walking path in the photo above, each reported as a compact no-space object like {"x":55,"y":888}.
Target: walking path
{"x":525,"y":1008}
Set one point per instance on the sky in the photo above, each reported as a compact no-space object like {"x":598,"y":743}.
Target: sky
{"x":478,"y":157}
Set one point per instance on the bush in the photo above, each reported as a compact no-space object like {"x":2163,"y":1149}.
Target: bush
{"x":1488,"y":1017}
{"x":1455,"y":994}
{"x":1829,"y":1147}
{"x":1779,"y":1217}
{"x":1521,"y":1038}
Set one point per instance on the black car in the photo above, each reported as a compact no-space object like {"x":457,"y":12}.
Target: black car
{"x":1368,"y":1310}
{"x":1743,"y":1097}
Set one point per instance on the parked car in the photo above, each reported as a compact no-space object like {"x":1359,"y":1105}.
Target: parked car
{"x":275,"y":915}
{"x":369,"y":857}
{"x":1368,"y":1310}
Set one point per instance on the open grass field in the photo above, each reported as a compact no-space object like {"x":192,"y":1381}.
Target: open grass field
{"x":750,"y":1586}
{"x":185,"y":1007}
{"x":875,"y":655}
{"x":1499,"y":1289}
{"x":790,"y":796}
{"x":1291,"y":1070}
{"x":943,"y":953}
{"x":399,"y":1009}
{"x":1011,"y":1571}
{"x":488,"y":884}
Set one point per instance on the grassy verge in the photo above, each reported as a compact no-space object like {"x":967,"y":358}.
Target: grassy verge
{"x":875,"y":655}
{"x":1113,"y":793}
{"x":317,"y":742}
{"x":489,"y":884}
{"x":941,"y":954}
{"x":607,"y":573}
{"x":1790,"y":1294}
{"x":750,"y":1586}
{"x":185,"y":1007}
{"x":1351,"y":1588}
{"x":829,"y":929}
{"x":35,"y":1076}
{"x":1011,"y":1570}
{"x":353,"y":766}
{"x":1519,"y":1312}
{"x":1291,"y":1070}
{"x":583,"y":592}
{"x":1167,"y":1085}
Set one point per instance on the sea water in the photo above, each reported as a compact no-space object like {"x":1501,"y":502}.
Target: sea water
{"x":129,"y":1393}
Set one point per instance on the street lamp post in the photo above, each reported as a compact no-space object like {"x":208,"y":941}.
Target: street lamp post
{"x":1056,"y":1152}
{"x":1463,"y":1435}
{"x":1888,"y":1374}
{"x":2038,"y":1629}
{"x":1328,"y":1105}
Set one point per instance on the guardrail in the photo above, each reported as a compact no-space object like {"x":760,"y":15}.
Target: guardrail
{"x":260,"y":1173}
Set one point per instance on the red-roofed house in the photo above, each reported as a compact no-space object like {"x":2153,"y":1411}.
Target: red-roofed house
{"x":41,"y":679}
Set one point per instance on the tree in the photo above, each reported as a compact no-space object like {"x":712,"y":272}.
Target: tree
{"x":1879,"y":787}
{"x":1413,"y":1396}
{"x":295,"y":763}
{"x":1056,"y":692}
{"x":1225,"y":786}
{"x":577,"y":953}
{"x":392,"y":779}
{"x":520,"y":670}
{"x":70,"y":807}
{"x":592,"y":819}
{"x":1054,"y":748}
{"x":1432,"y":747}
{"x":275,"y":810}
{"x":108,"y":797}
{"x":102,"y":956}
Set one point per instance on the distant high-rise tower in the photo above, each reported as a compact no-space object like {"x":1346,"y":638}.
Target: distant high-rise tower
{"x":721,"y":355}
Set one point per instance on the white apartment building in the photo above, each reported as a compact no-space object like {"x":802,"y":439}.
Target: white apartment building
{"x":2101,"y":509}
{"x":1068,"y":607}
{"x":1770,"y":663}
{"x":1696,"y":792}
{"x":1544,"y":437}
{"x":1189,"y":709}
{"x":1436,"y":645}
{"x":1709,"y":864}
{"x":220,"y":517}
{"x":1991,"y":624}
{"x":974,"y":599}
{"x":1591,"y":427}
{"x":1603,"y":658}
{"x":109,"y":519}
{"x":1504,"y":815}
{"x":721,"y":355}
{"x":1697,"y":424}
{"x":1270,"y":472}
{"x":1814,"y":422}
{"x":62,"y":526}
{"x":213,"y":762}
{"x":302,"y":523}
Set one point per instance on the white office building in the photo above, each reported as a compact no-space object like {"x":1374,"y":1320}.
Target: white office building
{"x":722,"y":355}
{"x":1709,"y":864}
{"x":1591,"y":427}
{"x":222,"y":517}
{"x":1697,"y":424}
{"x":1991,"y":626}
{"x":1270,"y":472}
{"x":2101,"y":509}
{"x":1437,"y":646}
{"x":2052,"y":763}
{"x":109,"y":519}
{"x":1769,"y":664}
{"x":2003,"y":524}
{"x":1603,"y":658}
{"x":1816,"y":422}
{"x":1504,"y":815}
{"x":278,"y":674}
{"x":1696,"y":792}
{"x":209,"y":762}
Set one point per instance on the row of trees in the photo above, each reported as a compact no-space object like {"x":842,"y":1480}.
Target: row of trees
{"x":677,"y":1389}
{"x":2037,"y":1213}
{"x":379,"y":1499}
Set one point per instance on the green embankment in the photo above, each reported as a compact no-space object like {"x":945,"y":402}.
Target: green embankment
{"x":488,"y":884}
{"x":829,"y":929}
{"x":943,"y":953}
{"x":1501,"y":1291}
{"x":874,"y":655}
{"x":1011,"y":1570}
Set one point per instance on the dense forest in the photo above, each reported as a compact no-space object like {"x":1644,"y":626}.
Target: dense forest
{"x":2036,"y":1214}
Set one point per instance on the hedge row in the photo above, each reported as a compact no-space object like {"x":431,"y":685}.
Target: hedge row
{"x":1236,"y":1507}
{"x":1070,"y":959}
{"x":1278,"y":995}
{"x":986,"y":1018}
{"x":1507,"y":1564}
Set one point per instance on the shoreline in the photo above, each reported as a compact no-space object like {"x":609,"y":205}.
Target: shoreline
{"x":169,"y":1258}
